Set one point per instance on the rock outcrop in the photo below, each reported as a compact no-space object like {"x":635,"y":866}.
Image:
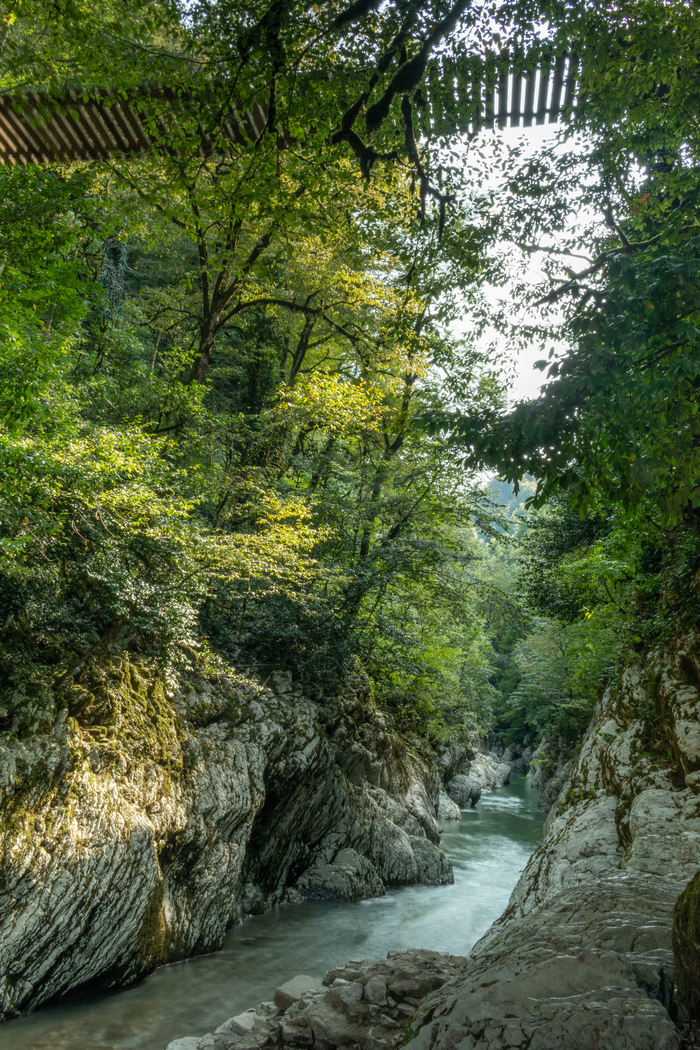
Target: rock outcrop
{"x":468,"y":772}
{"x":447,"y":809}
{"x":686,"y":950}
{"x":549,"y":769}
{"x":140,"y":818}
{"x":518,"y":757}
{"x":464,"y":791}
{"x":366,"y":1004}
{"x":581,"y":959}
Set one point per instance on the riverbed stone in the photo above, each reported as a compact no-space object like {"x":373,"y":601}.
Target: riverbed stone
{"x":291,"y":991}
{"x":375,"y":990}
{"x":242,"y":1024}
{"x":350,"y":993}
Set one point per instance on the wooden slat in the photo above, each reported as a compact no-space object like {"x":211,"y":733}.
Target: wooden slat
{"x":529,"y":106}
{"x":543,"y":93}
{"x":477,"y":95}
{"x":41,"y":129}
{"x":503,"y":100}
{"x":515,"y":103}
{"x":557,"y":85}
{"x":571,"y":81}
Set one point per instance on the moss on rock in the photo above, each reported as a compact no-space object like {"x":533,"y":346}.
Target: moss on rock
{"x":686,"y":948}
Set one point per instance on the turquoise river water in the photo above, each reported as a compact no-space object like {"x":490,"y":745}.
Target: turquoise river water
{"x":488,"y":847}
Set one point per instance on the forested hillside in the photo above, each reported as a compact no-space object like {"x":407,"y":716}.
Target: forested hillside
{"x":235,"y":420}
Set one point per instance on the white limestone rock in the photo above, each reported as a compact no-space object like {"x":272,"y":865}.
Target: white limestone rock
{"x":447,"y":809}
{"x":294,"y":990}
{"x":133,"y":847}
{"x":488,"y":772}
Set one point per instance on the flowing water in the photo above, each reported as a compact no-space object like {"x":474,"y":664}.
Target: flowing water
{"x":488,"y":847}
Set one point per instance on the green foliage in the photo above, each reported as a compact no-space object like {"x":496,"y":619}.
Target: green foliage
{"x":219,"y":453}
{"x":215,"y":360}
{"x":616,"y":313}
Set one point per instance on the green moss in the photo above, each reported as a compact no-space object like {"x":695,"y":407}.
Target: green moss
{"x":686,"y":948}
{"x":152,"y":934}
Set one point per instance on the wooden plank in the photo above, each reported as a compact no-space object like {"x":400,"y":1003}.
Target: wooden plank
{"x":516,"y":96}
{"x":571,"y":82}
{"x":543,"y":93}
{"x":490,"y":79}
{"x":557,"y":85}
{"x":478,"y":95}
{"x":529,"y":106}
{"x":503,"y":81}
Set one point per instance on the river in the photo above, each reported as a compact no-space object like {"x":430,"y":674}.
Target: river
{"x":488,"y":847}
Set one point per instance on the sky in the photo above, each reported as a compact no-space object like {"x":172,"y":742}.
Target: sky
{"x":526,"y":379}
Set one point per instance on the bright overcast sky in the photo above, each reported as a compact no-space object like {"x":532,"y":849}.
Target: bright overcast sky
{"x":526,"y":380}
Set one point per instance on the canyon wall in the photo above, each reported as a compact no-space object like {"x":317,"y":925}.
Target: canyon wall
{"x":582,"y":957}
{"x":141,"y":816}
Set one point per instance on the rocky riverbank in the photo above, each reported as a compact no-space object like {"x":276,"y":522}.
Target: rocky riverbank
{"x":582,"y":957}
{"x":366,"y":1004}
{"x":142,"y":816}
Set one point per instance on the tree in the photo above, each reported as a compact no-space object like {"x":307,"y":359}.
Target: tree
{"x":618,"y":418}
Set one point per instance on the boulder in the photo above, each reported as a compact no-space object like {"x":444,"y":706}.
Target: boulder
{"x":296,"y":989}
{"x":464,"y":791}
{"x":350,"y":877}
{"x":351,"y":994}
{"x":488,"y":772}
{"x":447,"y":809}
{"x":375,"y":990}
{"x":433,"y":867}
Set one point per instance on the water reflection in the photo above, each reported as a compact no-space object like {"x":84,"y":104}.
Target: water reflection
{"x":488,"y":847}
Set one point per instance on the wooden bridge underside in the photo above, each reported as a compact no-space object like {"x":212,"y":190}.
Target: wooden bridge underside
{"x":41,"y":129}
